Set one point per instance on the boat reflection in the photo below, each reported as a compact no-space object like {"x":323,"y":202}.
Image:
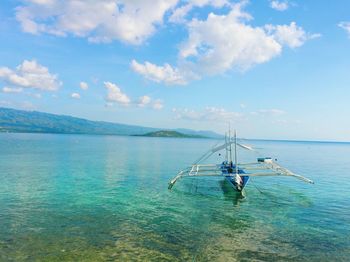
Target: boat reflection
{"x":230,"y":194}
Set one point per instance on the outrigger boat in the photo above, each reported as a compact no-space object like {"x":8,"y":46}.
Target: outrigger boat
{"x":237,"y":174}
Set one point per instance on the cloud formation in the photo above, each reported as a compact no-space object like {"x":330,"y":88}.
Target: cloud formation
{"x":290,"y":35}
{"x":345,"y":26}
{"x":83,"y":85}
{"x":179,"y":14}
{"x":157,"y":104}
{"x":209,"y":114}
{"x":217,"y":44}
{"x":279,"y":5}
{"x":146,"y":101}
{"x":225,"y":42}
{"x":273,"y":112}
{"x":30,"y":74}
{"x":12,"y":90}
{"x":212,"y":114}
{"x":99,"y":21}
{"x":115,"y":95}
{"x":166,"y":73}
{"x":75,"y":95}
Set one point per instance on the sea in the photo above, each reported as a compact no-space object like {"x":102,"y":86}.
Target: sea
{"x":106,"y":198}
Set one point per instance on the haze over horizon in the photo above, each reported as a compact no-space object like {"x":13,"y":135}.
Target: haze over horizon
{"x":274,"y":69}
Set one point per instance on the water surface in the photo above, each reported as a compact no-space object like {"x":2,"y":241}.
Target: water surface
{"x":91,"y":198}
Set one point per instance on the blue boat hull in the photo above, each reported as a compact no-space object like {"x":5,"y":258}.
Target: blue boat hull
{"x":227,"y":172}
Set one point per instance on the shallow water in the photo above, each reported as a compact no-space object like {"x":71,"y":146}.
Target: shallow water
{"x":91,"y":198}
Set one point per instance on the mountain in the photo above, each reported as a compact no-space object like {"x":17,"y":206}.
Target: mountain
{"x":170,"y":133}
{"x":13,"y":120}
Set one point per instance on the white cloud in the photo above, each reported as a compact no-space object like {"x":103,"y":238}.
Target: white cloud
{"x":215,"y":3}
{"x":158,"y":104}
{"x":115,"y":95}
{"x":179,"y":14}
{"x":269,"y":112}
{"x":99,"y":21}
{"x":41,"y":2}
{"x":75,"y":95}
{"x":279,"y":5}
{"x":209,"y":114}
{"x":83,"y":85}
{"x":144,"y":100}
{"x":12,"y":89}
{"x":166,"y":73}
{"x":222,"y":43}
{"x":291,"y":35}
{"x":221,"y":116}
{"x":345,"y":26}
{"x":30,"y":74}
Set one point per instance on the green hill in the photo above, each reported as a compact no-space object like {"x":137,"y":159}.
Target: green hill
{"x":20,"y":121}
{"x":12,"y":120}
{"x":170,"y":133}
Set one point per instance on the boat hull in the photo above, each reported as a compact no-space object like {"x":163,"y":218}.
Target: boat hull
{"x":238,"y":183}
{"x":235,"y":185}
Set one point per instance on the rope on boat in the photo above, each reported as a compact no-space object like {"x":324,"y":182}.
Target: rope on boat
{"x":261,"y":192}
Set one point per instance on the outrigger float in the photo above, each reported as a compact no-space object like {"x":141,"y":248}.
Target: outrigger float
{"x":237,"y":174}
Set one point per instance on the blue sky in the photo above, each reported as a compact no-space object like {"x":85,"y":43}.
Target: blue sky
{"x":273,"y":69}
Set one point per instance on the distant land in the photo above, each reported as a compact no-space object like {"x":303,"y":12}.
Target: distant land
{"x":170,"y":133}
{"x":21,"y":121}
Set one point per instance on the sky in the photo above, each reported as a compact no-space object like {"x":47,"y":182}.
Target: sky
{"x":272,"y":69}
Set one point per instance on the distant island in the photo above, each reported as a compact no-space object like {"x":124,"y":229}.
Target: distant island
{"x":21,"y":121}
{"x":170,"y":133}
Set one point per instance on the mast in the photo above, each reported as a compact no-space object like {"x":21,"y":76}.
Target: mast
{"x":236,"y":164}
{"x":226,"y":147}
{"x":229,"y":137}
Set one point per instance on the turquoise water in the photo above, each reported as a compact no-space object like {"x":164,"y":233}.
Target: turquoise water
{"x":98,"y":198}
